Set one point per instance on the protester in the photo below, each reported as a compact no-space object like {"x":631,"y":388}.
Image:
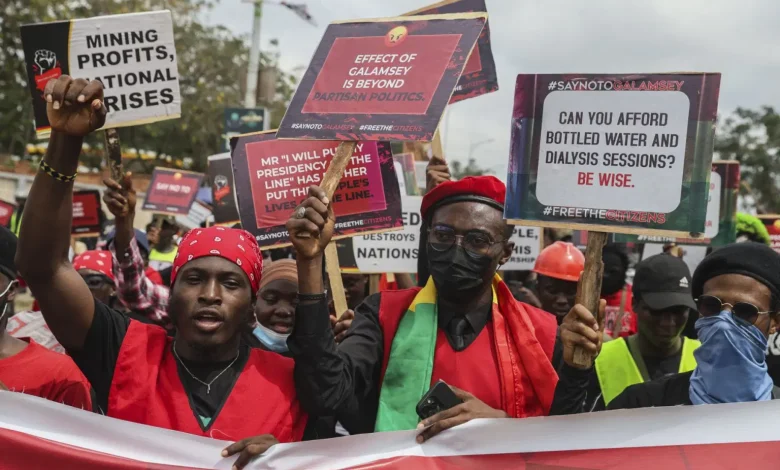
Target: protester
{"x":459,"y":328}
{"x":620,"y":319}
{"x":662,"y":303}
{"x":135,"y":283}
{"x":26,"y":366}
{"x":164,"y":251}
{"x":96,"y":269}
{"x":143,"y":249}
{"x":153,"y":234}
{"x":523,"y":286}
{"x":355,"y":288}
{"x":737,"y":290}
{"x":558,"y":270}
{"x":138,"y":372}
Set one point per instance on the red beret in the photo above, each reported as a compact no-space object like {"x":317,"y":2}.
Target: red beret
{"x":486,"y":189}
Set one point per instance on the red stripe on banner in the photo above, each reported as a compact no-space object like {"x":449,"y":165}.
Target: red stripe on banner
{"x":752,"y":455}
{"x":20,"y":451}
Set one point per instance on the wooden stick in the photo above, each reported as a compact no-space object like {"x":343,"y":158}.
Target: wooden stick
{"x":113,"y":155}
{"x":589,"y":288}
{"x":373,"y":283}
{"x":436,"y":145}
{"x":329,"y":184}
{"x":334,"y":274}
{"x":336,"y":169}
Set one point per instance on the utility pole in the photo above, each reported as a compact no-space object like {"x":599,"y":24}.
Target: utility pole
{"x":250,"y":98}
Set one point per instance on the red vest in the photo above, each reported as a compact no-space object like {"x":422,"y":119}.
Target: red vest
{"x":475,"y":369}
{"x":480,"y":370}
{"x":146,"y":389}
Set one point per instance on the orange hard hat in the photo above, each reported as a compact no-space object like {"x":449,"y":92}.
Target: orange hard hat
{"x":560,"y":260}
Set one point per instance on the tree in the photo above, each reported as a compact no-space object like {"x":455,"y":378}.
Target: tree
{"x":471,"y":169}
{"x":210,"y":62}
{"x":752,"y":137}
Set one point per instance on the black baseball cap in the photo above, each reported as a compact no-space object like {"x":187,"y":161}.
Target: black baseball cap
{"x":664,"y":281}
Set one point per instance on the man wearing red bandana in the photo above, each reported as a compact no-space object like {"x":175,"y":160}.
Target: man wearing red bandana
{"x":203,"y":380}
{"x":461,"y":326}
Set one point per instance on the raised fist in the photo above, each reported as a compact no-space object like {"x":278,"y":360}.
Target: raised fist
{"x":74,"y":107}
{"x":45,"y":60}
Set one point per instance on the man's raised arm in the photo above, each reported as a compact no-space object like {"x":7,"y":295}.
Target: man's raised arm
{"x":75,"y":108}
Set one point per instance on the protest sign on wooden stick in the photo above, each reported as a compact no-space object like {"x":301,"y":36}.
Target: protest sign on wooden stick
{"x":611,"y":153}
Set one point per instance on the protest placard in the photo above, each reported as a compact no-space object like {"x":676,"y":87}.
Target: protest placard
{"x":6,"y":212}
{"x":382,"y":79}
{"x":133,"y":55}
{"x":392,"y":252}
{"x":198,"y":216}
{"x":172,"y":191}
{"x":407,"y":177}
{"x":272,"y":178}
{"x":479,"y":75}
{"x":772,"y":224}
{"x":618,"y":153}
{"x":420,"y":171}
{"x":720,"y":227}
{"x":86,"y":213}
{"x":528,"y":243}
{"x":223,"y":190}
{"x":243,"y":121}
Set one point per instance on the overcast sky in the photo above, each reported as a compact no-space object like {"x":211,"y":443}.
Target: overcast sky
{"x":737,"y":38}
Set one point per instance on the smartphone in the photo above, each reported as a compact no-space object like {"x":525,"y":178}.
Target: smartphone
{"x":439,"y":398}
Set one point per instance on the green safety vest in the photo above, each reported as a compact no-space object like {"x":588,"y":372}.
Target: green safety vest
{"x":16,"y":223}
{"x":164,"y":257}
{"x":617,"y":369}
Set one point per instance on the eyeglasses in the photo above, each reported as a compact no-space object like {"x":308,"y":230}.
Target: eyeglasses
{"x":710,"y":305}
{"x":96,"y":281}
{"x":442,"y":239}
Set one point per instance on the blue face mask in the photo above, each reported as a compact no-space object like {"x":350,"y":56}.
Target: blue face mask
{"x":731,"y":362}
{"x":276,"y":342}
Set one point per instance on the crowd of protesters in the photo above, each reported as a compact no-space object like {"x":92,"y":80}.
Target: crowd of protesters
{"x":185,"y":333}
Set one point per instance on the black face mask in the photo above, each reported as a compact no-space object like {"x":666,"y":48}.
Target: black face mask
{"x":455,"y":271}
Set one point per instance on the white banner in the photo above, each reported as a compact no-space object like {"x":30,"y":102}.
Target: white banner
{"x":35,"y":433}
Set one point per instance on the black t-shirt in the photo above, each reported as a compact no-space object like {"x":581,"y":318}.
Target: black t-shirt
{"x":98,"y":357}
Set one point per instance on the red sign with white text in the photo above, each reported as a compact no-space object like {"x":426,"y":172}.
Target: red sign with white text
{"x":382,"y":79}
{"x":386,"y":80}
{"x":172,"y":191}
{"x":272,"y":177}
{"x":282,"y":171}
{"x":479,"y":76}
{"x":86,"y":213}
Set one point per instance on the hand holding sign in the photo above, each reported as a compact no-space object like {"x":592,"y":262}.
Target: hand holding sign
{"x":311,"y":225}
{"x":75,"y":107}
{"x":580,"y":331}
{"x":436,"y":172}
{"x":120,"y":199}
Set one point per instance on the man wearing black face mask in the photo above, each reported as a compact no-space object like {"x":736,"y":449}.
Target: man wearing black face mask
{"x":463,"y":327}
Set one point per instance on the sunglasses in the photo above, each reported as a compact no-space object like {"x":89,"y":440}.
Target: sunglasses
{"x":709,"y":305}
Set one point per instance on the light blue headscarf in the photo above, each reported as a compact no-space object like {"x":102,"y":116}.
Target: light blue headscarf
{"x":731,"y":362}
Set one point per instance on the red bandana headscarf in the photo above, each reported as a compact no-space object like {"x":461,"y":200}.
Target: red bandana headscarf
{"x":235,"y":245}
{"x":96,"y":260}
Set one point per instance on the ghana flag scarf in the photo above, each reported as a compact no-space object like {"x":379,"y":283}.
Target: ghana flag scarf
{"x":523,"y":365}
